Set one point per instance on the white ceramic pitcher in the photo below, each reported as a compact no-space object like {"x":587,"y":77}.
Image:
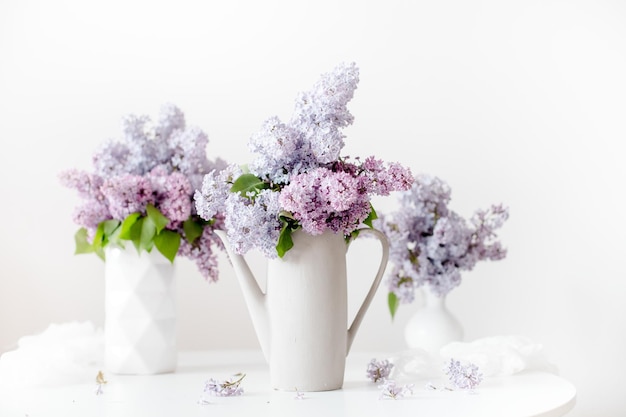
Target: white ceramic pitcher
{"x":301,"y":320}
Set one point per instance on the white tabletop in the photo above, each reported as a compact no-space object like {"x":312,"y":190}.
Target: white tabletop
{"x":527,"y":394}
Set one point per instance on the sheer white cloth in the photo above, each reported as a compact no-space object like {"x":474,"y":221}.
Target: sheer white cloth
{"x":62,"y":354}
{"x":495,"y":356}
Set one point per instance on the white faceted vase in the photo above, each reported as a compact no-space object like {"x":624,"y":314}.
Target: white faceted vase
{"x":140,"y":312}
{"x":432,"y":326}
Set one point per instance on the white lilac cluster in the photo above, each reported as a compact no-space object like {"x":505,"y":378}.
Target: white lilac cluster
{"x":153,"y":164}
{"x":228,"y":388}
{"x":378,"y":370}
{"x":299,"y":180}
{"x":463,"y":376}
{"x":431,"y":244}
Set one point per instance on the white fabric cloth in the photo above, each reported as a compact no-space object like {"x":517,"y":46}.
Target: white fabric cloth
{"x":494,"y":356}
{"x":62,"y":354}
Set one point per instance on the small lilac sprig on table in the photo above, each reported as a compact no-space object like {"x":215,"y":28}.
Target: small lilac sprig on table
{"x":100,"y":382}
{"x":430,"y":244}
{"x":230,"y":387}
{"x":141,"y":191}
{"x":463,"y":376}
{"x":299,"y":179}
{"x":378,"y":370}
{"x":390,"y":390}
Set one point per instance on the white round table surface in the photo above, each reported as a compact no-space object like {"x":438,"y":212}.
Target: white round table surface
{"x":526,"y":394}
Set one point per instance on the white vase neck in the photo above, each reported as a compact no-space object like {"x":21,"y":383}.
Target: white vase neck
{"x":431,"y":299}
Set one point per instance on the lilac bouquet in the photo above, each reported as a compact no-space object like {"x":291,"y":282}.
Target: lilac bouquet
{"x":141,"y":190}
{"x":431,"y":244}
{"x":299,"y":180}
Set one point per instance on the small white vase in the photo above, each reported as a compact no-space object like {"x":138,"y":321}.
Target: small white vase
{"x":140,"y":312}
{"x":433,"y":325}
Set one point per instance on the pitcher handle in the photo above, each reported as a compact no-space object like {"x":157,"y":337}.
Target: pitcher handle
{"x":370,"y":295}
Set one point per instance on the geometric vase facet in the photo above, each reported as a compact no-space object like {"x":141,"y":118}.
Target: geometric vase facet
{"x":140,"y":312}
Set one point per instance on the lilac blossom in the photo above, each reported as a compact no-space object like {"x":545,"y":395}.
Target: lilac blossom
{"x":463,"y":376}
{"x":227,"y":388}
{"x":126,"y":194}
{"x":303,"y":182}
{"x":253,"y":223}
{"x":158,"y":163}
{"x":390,"y":390}
{"x":211,"y":197}
{"x":431,"y":244}
{"x":378,"y":370}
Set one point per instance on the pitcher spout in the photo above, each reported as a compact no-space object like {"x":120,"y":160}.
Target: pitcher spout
{"x":252,"y":293}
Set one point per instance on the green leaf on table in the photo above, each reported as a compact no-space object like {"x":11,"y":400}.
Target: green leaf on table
{"x":167,"y":242}
{"x":394,"y":303}
{"x":247,"y":183}
{"x":127,"y":226}
{"x":158,"y":219}
{"x":193,"y":230}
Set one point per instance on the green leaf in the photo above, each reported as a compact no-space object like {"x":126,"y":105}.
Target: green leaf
{"x":134,"y":233}
{"x":82,"y":245}
{"x":248,"y":183}
{"x":114,"y":238}
{"x":148,"y":232}
{"x":109,"y":227}
{"x":158,"y":219}
{"x":394,"y":303}
{"x":98,"y":241}
{"x":284,"y":240}
{"x":371,"y":217}
{"x":193,"y":230}
{"x":127,"y":226}
{"x":167,"y":242}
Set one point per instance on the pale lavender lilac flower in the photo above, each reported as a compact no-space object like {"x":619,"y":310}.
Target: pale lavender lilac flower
{"x":390,"y":390}
{"x":211,"y":197}
{"x":463,"y":376}
{"x":431,"y":244}
{"x":253,"y":223}
{"x":160,"y":163}
{"x":126,"y":194}
{"x":300,"y":165}
{"x":378,"y":370}
{"x":227,"y":388}
{"x":202,"y":251}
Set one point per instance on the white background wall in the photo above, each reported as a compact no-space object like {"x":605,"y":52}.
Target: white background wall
{"x":521,"y":102}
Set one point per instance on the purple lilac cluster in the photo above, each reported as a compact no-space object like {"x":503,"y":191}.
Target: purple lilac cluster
{"x":158,"y":163}
{"x":463,"y":376}
{"x":303,"y":175}
{"x":431,"y":244}
{"x":378,"y":370}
